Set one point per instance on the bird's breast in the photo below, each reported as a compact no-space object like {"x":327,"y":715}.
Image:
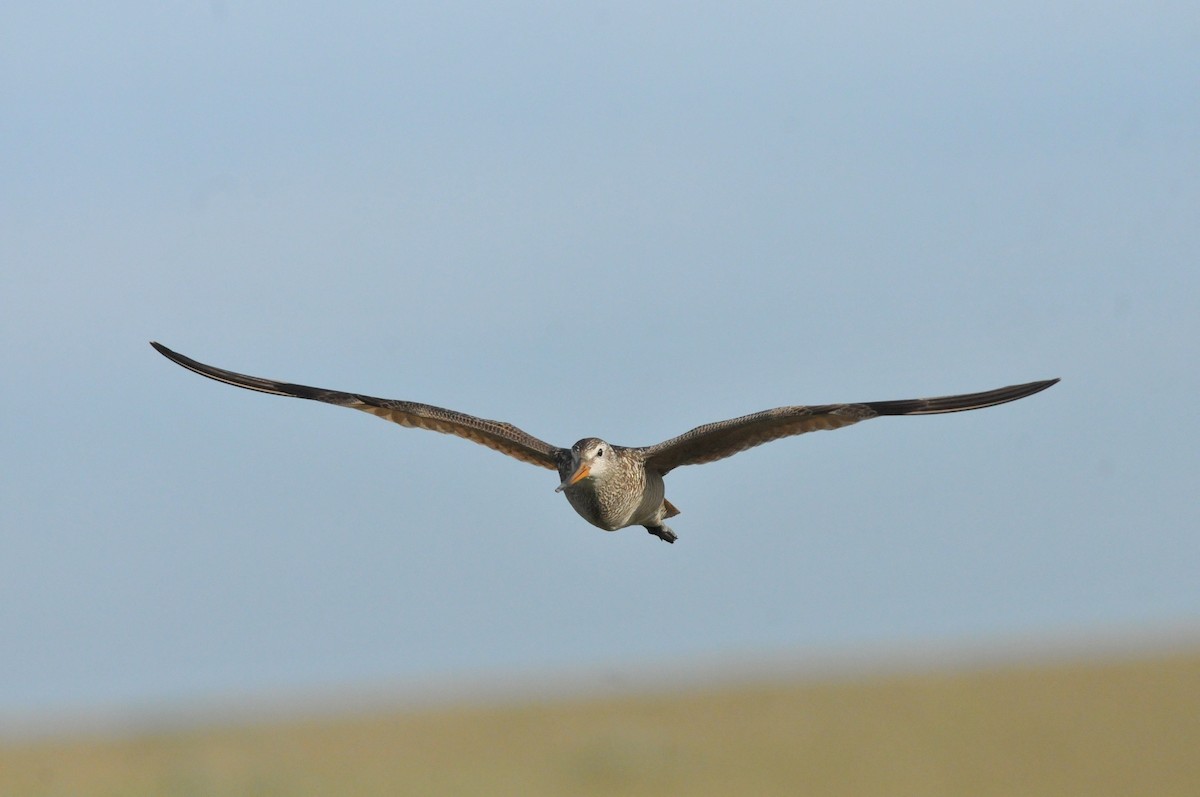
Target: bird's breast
{"x":616,"y":501}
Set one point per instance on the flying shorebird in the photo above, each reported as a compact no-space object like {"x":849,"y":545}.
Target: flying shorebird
{"x":614,"y":487}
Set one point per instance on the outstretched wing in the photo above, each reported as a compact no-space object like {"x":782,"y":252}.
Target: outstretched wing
{"x":502,"y":437}
{"x":725,"y":438}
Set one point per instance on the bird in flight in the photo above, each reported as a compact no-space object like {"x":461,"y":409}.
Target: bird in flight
{"x":614,"y":487}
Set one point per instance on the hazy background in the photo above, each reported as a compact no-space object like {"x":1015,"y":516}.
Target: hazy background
{"x":603,"y":219}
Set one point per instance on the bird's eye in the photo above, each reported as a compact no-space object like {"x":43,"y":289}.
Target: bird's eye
{"x":599,"y":452}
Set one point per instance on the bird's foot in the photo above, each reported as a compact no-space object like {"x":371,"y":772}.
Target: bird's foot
{"x":663,"y":533}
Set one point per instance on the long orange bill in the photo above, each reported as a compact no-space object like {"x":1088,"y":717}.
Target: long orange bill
{"x":580,"y":474}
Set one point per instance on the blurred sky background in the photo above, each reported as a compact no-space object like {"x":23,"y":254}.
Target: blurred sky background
{"x":616,"y":219}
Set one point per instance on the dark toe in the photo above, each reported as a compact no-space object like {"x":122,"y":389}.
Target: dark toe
{"x":663,"y":533}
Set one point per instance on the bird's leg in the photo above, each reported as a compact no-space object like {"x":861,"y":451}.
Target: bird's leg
{"x":662,"y":532}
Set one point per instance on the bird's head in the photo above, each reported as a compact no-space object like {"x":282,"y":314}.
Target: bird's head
{"x":590,"y":457}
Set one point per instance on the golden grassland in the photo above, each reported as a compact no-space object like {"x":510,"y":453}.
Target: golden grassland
{"x":1099,"y":728}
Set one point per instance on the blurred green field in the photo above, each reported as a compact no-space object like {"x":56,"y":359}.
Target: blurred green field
{"x":1116,"y":728}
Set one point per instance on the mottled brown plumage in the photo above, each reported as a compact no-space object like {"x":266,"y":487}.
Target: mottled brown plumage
{"x":613,"y":487}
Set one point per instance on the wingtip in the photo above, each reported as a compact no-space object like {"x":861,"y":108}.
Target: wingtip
{"x":164,"y":351}
{"x":1032,"y":388}
{"x":1038,"y":387}
{"x":1029,"y":388}
{"x":173,"y":356}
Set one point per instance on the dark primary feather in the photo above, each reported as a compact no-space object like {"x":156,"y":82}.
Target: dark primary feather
{"x":722,"y":439}
{"x":497,"y":435}
{"x":960,"y":403}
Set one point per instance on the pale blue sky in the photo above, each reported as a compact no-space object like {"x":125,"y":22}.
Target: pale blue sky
{"x":620,"y":220}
